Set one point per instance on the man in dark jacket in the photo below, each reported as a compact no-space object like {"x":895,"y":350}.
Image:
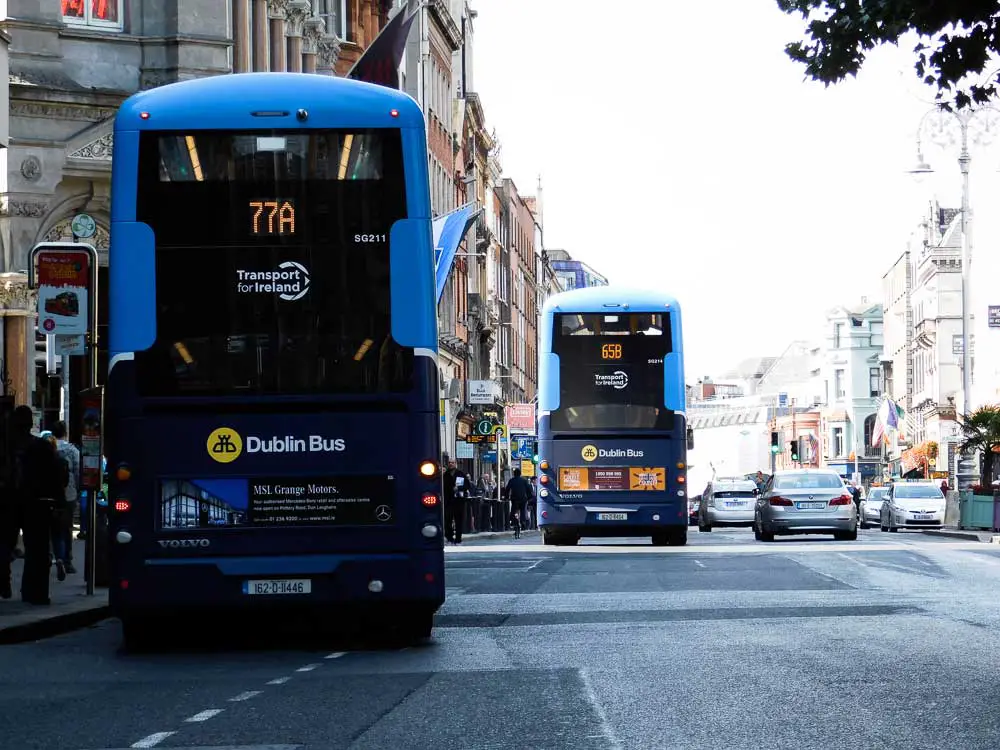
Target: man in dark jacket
{"x":33,"y":487}
{"x":519,"y":491}
{"x":456,"y":486}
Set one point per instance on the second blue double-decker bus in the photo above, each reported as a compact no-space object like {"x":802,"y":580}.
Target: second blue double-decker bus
{"x":272,"y":398}
{"x":613,"y":436}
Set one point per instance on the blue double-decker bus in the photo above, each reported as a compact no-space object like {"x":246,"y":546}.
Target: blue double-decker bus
{"x":272,"y":399}
{"x":612,"y":430}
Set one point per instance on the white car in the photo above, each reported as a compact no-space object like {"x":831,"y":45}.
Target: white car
{"x":912,"y":505}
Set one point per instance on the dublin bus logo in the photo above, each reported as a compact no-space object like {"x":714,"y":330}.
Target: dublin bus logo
{"x":224,"y":445}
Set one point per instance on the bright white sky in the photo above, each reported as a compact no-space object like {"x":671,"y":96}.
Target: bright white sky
{"x":714,"y":172}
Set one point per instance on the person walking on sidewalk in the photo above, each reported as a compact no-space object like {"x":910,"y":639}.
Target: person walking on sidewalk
{"x":456,"y":486}
{"x":36,"y":486}
{"x":71,"y":455}
{"x":519,"y":491}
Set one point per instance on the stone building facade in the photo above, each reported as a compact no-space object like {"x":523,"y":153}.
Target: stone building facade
{"x":72,"y":63}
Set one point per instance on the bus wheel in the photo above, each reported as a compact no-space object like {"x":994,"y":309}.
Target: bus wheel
{"x":661,"y":539}
{"x":547,"y":538}
{"x":139,"y":635}
{"x":419,"y":625}
{"x":678,"y":537}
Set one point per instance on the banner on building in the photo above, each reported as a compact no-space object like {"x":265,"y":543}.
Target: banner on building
{"x":448,"y":232}
{"x":380,"y":62}
{"x":63,"y":274}
{"x":520,"y":418}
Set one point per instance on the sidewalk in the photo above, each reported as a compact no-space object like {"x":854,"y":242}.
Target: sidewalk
{"x":71,"y":608}
{"x":971,"y":535}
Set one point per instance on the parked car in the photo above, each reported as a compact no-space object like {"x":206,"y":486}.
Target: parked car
{"x":912,"y":505}
{"x":871,"y":507}
{"x":727,"y":502}
{"x":693,"y":504}
{"x":805,"y":501}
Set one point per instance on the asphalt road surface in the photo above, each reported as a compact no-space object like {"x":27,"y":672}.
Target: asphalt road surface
{"x":892,"y":641}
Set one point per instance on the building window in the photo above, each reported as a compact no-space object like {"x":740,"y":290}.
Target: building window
{"x":334,"y":13}
{"x":874,"y":382}
{"x":838,"y":442}
{"x":838,"y":384}
{"x":105,"y":14}
{"x":838,"y":330}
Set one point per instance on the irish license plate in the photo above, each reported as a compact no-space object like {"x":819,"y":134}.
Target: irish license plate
{"x":735,"y":504}
{"x":612,"y":516}
{"x":273,"y":587}
{"x":811,"y":506}
{"x":924,"y":517}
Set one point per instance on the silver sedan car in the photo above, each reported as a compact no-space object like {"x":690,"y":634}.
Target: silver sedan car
{"x":871,"y":507}
{"x":805,"y":501}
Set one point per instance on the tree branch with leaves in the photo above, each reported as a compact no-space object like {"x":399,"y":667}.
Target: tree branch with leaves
{"x":958,"y":40}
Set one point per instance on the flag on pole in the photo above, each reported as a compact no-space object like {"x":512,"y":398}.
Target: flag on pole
{"x":448,"y":232}
{"x":379,"y":63}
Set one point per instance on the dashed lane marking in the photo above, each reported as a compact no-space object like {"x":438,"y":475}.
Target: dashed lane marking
{"x":279,"y":681}
{"x":153,"y":740}
{"x":335,"y":655}
{"x":245,"y":696}
{"x":307,"y":668}
{"x":204,"y":715}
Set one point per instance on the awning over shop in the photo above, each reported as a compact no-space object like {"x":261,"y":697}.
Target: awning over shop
{"x":449,"y":231}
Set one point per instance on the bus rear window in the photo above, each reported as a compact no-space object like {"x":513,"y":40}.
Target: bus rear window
{"x":611,"y":371}
{"x":272,"y":262}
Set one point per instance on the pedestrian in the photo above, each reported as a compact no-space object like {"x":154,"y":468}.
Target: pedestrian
{"x":57,"y":504}
{"x":456,"y":486}
{"x":518,"y":491}
{"x":34,"y":489}
{"x":71,"y":455}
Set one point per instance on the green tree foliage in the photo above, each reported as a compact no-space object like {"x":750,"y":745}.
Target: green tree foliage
{"x":956,"y":41}
{"x":981,"y":433}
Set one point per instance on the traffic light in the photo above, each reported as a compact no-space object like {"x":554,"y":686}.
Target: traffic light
{"x":775,"y":443}
{"x":793,"y":448}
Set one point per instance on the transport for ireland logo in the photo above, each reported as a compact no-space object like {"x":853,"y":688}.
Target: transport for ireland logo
{"x":224,"y":445}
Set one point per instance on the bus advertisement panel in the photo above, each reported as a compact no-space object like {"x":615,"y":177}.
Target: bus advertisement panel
{"x":272,"y":395}
{"x":613,"y":436}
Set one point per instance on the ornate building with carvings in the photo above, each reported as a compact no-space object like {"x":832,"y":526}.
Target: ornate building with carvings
{"x":72,"y":63}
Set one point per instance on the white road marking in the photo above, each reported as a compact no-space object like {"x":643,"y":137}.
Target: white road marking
{"x":152,"y":740}
{"x":204,"y":715}
{"x":335,"y":655}
{"x":606,"y":729}
{"x":279,"y":681}
{"x":245,"y":696}
{"x":307,"y":668}
{"x":699,"y":563}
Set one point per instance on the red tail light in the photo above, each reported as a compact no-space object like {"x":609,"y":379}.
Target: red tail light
{"x":842,"y":500}
{"x":784,"y":501}
{"x":123,"y":505}
{"x":429,"y":500}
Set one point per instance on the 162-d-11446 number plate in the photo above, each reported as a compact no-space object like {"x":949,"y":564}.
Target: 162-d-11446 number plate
{"x":276,"y":587}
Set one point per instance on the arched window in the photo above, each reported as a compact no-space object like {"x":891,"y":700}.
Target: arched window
{"x":869,"y":431}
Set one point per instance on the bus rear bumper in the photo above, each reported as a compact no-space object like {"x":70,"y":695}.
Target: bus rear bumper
{"x":333,"y":582}
{"x":604,"y":519}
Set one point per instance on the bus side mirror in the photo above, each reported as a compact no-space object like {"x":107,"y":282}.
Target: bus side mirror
{"x":690,"y":438}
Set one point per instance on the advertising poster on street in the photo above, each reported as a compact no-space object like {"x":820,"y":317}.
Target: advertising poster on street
{"x":63,"y":281}
{"x":91,"y":448}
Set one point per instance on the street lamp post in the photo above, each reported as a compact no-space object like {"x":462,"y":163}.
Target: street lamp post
{"x":978,"y":125}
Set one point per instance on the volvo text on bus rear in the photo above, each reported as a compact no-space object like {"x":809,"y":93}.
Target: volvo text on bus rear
{"x":272,"y":397}
{"x":612,"y":431}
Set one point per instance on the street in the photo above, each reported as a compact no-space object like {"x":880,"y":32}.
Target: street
{"x":889,"y":642}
